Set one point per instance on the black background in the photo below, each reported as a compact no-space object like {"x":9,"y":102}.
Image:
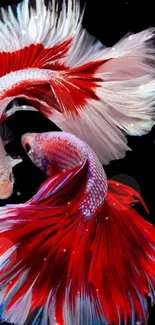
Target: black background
{"x":108,"y":20}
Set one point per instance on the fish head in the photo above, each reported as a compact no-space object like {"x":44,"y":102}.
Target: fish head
{"x":6,"y":164}
{"x":6,"y":176}
{"x":6,"y":173}
{"x":33,"y":145}
{"x":6,"y":184}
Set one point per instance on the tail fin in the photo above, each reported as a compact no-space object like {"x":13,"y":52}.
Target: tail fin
{"x":111,"y":92}
{"x":97,"y":93}
{"x":35,"y":246}
{"x":56,"y":266}
{"x":113,"y":267}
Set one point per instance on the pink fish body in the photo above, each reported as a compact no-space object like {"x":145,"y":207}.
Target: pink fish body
{"x":6,"y":176}
{"x":6,"y":164}
{"x":69,"y":152}
{"x":77,"y":252}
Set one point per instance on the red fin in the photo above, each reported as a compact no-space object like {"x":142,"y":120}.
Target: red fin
{"x":33,"y":56}
{"x":107,"y":263}
{"x":74,"y":87}
{"x":107,"y":91}
{"x":118,"y":258}
{"x":67,"y":90}
{"x":61,"y":187}
{"x":42,"y":245}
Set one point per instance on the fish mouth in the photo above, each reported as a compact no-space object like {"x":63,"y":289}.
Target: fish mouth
{"x":24,"y":137}
{"x":25,"y":140}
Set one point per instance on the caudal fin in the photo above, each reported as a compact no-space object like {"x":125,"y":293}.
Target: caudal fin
{"x":111,"y":92}
{"x":117,"y":256}
{"x":58,"y":267}
{"x":35,"y":247}
{"x":97,"y":93}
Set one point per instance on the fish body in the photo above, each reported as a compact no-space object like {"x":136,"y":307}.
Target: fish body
{"x":21,"y":78}
{"x":6,"y":175}
{"x":6,"y":163}
{"x":77,"y":252}
{"x":58,"y":152}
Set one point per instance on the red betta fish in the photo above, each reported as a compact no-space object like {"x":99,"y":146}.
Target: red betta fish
{"x":78,"y":252}
{"x":96,"y":93}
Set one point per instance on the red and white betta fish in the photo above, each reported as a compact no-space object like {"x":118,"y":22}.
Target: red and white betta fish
{"x":94,"y":92}
{"x":78,"y":252}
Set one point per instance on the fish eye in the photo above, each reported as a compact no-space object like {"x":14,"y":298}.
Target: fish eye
{"x":11,"y":178}
{"x":27,"y":148}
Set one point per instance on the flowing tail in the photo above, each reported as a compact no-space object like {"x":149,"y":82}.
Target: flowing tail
{"x":56,"y":267}
{"x":97,"y":93}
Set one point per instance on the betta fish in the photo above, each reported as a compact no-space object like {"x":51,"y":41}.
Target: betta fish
{"x":6,"y":161}
{"x":6,"y":164}
{"x":6,"y":175}
{"x":78,"y":252}
{"x":94,"y":92}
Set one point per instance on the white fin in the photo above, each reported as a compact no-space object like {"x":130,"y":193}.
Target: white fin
{"x":126,"y":90}
{"x":6,"y":134}
{"x":15,"y":161}
{"x":126,"y":102}
{"x":90,"y":128}
{"x":38,"y":26}
{"x":16,"y":107}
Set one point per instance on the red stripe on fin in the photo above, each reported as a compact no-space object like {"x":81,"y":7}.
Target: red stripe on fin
{"x":71,"y":263}
{"x":34,"y":56}
{"x":117,"y":254}
{"x":42,"y":247}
